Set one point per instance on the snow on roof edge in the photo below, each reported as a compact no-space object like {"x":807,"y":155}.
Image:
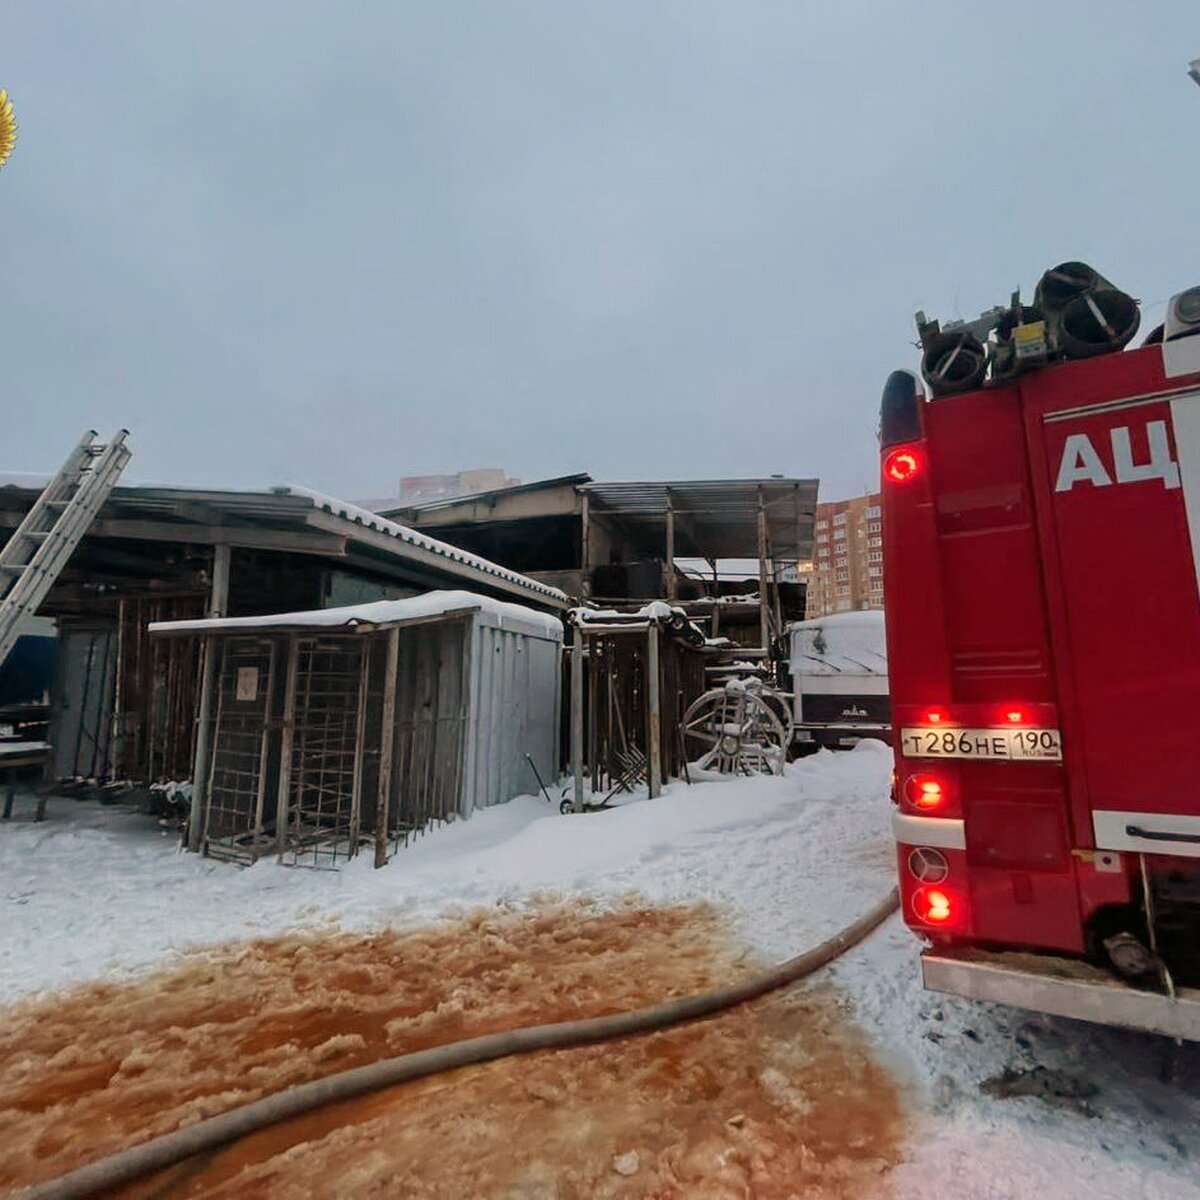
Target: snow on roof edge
{"x":381,"y":612}
{"x":363,"y":516}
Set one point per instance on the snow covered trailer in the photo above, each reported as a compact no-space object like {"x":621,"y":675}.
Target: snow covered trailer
{"x":335,"y":727}
{"x":1041,"y":529}
{"x":838,"y":666}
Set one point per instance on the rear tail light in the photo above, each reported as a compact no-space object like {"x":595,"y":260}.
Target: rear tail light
{"x":902,"y":464}
{"x":925,"y":792}
{"x":934,"y":906}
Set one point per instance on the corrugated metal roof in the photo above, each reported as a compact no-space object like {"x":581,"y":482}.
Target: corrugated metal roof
{"x":297,"y":507}
{"x":361,"y":517}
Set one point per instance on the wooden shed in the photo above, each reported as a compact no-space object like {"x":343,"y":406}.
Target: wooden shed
{"x":323,"y":730}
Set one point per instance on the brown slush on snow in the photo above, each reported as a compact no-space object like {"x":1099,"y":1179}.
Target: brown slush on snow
{"x":780,"y":1098}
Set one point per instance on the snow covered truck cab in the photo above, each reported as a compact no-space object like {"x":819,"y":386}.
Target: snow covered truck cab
{"x":1041,"y":535}
{"x":838,"y":667}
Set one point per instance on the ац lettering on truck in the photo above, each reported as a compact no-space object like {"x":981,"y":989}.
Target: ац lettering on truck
{"x":1041,"y":530}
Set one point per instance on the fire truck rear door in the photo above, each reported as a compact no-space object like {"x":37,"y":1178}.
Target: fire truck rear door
{"x":1120,"y":499}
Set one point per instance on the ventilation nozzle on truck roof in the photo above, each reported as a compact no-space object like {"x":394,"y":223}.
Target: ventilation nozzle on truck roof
{"x":1076,"y":313}
{"x":1086,"y":315}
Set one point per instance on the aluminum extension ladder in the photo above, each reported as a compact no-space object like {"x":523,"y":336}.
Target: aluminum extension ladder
{"x":36,"y":553}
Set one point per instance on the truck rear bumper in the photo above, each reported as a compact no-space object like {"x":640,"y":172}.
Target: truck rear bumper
{"x":1062,"y":987}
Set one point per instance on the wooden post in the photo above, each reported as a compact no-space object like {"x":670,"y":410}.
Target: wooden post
{"x":585,"y":549}
{"x":653,"y":715}
{"x":671,"y":586}
{"x":776,"y":602}
{"x":116,"y":740}
{"x":218,"y":606}
{"x":716,"y":591}
{"x":764,"y":612}
{"x":264,"y":747}
{"x":387,"y":742}
{"x":577,"y":717}
{"x":287,"y":737}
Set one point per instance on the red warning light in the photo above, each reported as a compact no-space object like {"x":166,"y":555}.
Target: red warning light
{"x":1015,"y":715}
{"x":902,"y":464}
{"x":932,"y":906}
{"x":924,"y":791}
{"x":938,"y":908}
{"x":935,"y":716}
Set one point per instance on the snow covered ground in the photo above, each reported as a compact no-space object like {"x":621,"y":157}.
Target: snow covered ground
{"x":97,"y":891}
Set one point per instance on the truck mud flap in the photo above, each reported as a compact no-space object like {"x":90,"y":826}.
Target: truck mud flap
{"x":1061,"y":987}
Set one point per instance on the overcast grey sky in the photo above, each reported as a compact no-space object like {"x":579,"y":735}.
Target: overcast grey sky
{"x":337,"y":243}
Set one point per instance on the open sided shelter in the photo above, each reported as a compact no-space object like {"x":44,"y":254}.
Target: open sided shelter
{"x":123,"y":704}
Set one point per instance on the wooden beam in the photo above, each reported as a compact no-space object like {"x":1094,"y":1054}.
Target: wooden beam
{"x":685,"y":526}
{"x":585,"y":552}
{"x":670,"y":565}
{"x":294,"y":541}
{"x":218,"y":606}
{"x":716,"y":612}
{"x":387,"y":743}
{"x":218,"y":600}
{"x":764,"y":612}
{"x":286,"y":741}
{"x":577,"y":717}
{"x":653,"y":715}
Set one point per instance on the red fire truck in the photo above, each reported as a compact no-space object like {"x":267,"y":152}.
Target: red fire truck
{"x":1041,"y":532}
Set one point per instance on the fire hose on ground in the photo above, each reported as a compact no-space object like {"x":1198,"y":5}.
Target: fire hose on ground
{"x":127,"y":1166}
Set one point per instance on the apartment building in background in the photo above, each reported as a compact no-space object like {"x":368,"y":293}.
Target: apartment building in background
{"x":847,"y":572}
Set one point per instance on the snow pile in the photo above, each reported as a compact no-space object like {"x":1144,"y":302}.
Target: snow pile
{"x":81,"y":878}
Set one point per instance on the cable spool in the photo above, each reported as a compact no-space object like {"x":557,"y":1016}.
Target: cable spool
{"x":953,"y":361}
